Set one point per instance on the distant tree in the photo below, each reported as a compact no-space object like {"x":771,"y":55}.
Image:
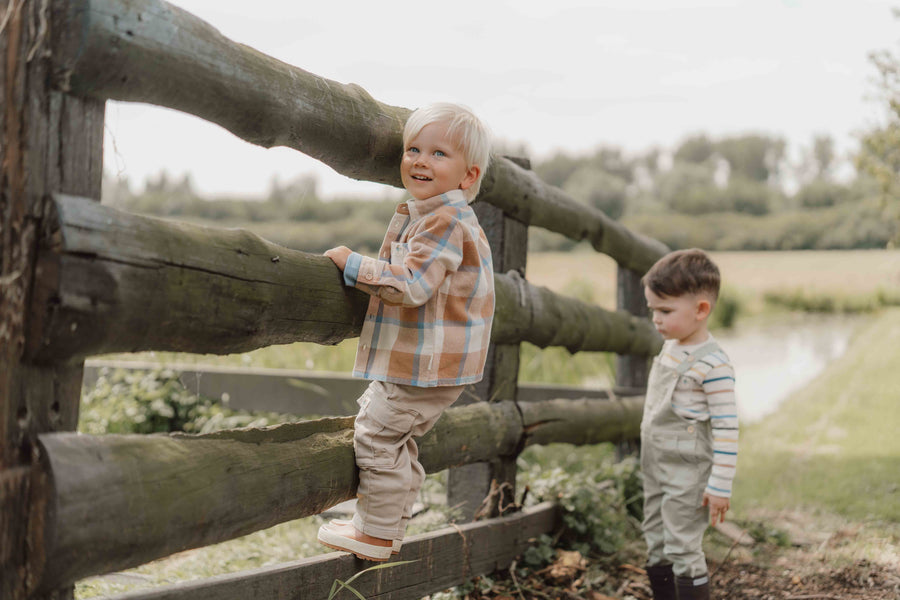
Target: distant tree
{"x":557,"y":169}
{"x":754,"y":157}
{"x":116,"y":190}
{"x":818,"y":161}
{"x":299,"y":189}
{"x":823,"y":155}
{"x":690,"y":188}
{"x":879,"y":153}
{"x":696,"y":149}
{"x":503,"y":147}
{"x":612,"y":160}
{"x":598,"y":189}
{"x":820,"y":193}
{"x":747,"y":196}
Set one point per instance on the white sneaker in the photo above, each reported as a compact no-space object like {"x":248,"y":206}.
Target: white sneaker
{"x":395,"y":547}
{"x":347,"y":539}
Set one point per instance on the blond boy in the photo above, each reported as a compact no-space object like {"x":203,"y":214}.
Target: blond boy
{"x":428,"y":324}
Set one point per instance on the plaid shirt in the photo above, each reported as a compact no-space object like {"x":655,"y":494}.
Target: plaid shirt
{"x":432,"y":287}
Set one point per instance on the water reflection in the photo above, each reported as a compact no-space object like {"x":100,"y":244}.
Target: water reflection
{"x":774,"y":360}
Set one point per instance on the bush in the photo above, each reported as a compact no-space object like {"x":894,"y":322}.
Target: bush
{"x":126,"y":401}
{"x":601,"y":498}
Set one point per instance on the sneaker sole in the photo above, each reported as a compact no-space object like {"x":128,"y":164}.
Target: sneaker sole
{"x":360,"y":549}
{"x":395,"y":546}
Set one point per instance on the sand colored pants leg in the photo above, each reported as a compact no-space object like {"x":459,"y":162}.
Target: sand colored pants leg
{"x":390,"y":475}
{"x":676,"y":459}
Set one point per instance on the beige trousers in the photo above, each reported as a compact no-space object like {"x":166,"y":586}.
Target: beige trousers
{"x":390,"y":475}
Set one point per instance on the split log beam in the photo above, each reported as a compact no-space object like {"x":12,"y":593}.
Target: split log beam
{"x":436,"y":561}
{"x":123,"y":500}
{"x":151,"y":51}
{"x":112,"y":281}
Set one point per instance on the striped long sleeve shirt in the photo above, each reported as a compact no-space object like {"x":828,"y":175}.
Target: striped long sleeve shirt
{"x":706,"y":393}
{"x":429,"y":319}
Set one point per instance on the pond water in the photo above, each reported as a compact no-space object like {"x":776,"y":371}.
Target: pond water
{"x":773,"y":360}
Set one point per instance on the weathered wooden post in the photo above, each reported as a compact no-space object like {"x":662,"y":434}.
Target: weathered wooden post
{"x":631,"y":371}
{"x":469,"y":487}
{"x":49,"y":142}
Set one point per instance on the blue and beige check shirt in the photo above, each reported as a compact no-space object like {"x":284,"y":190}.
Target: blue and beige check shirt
{"x":429,"y":318}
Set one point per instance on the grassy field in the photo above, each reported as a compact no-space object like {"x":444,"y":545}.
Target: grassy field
{"x":750,"y":275}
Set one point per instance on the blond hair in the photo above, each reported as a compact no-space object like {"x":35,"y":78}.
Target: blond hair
{"x":464,"y":128}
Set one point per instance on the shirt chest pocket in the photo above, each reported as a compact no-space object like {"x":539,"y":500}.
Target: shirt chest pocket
{"x":399,"y":251}
{"x":688,"y":383}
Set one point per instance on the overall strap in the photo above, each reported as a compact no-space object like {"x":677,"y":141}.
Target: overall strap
{"x":696,"y":355}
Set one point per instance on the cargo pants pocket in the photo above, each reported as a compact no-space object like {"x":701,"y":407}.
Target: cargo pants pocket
{"x":381,"y":429}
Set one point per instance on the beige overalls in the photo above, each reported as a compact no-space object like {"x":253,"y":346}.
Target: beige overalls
{"x":676,"y":460}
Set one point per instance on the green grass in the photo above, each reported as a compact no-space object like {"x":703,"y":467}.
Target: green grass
{"x":833,"y":448}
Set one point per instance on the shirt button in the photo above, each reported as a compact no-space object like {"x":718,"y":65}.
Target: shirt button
{"x":369,"y":276}
{"x":690,"y":429}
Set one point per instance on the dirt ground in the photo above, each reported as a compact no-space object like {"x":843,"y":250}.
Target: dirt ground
{"x":565,"y":580}
{"x":819,"y":568}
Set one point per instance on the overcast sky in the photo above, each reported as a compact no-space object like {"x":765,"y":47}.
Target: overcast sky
{"x":553,"y":74}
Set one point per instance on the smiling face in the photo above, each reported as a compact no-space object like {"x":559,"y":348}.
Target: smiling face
{"x":432,"y":164}
{"x":681,"y":318}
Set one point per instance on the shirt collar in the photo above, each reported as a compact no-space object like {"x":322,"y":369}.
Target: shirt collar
{"x":420,"y":208}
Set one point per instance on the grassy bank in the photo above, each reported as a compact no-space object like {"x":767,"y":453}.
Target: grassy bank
{"x":828,"y":459}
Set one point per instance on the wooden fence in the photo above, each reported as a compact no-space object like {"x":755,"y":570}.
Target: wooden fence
{"x":78,"y":279}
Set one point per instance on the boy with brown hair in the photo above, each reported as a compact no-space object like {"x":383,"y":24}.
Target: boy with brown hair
{"x":689,"y":430}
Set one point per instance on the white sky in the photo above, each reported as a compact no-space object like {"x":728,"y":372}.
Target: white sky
{"x":554,"y":74}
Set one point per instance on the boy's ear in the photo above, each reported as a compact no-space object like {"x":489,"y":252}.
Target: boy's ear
{"x":470,"y":177}
{"x":704,"y":307}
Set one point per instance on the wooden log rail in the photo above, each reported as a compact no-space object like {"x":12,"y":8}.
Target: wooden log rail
{"x":123,"y":500}
{"x":223,"y":291}
{"x":151,"y":51}
{"x":437,"y":560}
{"x":296,"y":392}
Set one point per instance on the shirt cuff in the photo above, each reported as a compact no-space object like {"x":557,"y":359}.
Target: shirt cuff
{"x":351,"y":269}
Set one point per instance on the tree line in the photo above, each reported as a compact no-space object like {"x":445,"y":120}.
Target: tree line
{"x":730,"y":193}
{"x":734,"y":192}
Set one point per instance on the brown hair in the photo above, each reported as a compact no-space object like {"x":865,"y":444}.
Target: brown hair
{"x":683,"y":272}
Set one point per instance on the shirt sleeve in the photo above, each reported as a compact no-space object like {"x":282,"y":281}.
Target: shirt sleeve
{"x":432,"y":251}
{"x":719,"y":388}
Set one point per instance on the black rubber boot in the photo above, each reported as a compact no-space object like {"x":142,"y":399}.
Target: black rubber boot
{"x":662,"y":582}
{"x":692,"y":588}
